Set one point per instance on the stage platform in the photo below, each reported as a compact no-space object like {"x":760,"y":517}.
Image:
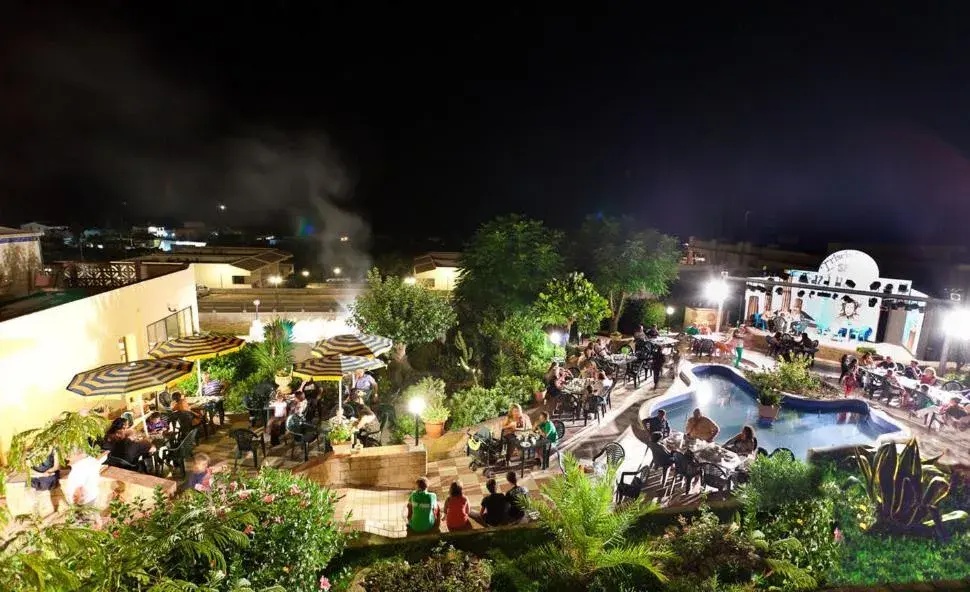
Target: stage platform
{"x":829,"y":349}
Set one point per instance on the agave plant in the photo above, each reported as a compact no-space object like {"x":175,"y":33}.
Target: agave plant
{"x":905,"y":489}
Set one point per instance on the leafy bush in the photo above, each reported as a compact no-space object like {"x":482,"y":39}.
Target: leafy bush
{"x":432,"y":390}
{"x":404,"y":428}
{"x":519,"y":389}
{"x":274,"y":531}
{"x":653,"y":313}
{"x":477,"y":404}
{"x":869,"y":560}
{"x":446,"y":570}
{"x":788,"y":377}
{"x":865,"y":349}
{"x":778,"y":480}
{"x":522,"y":347}
{"x":424,"y":357}
{"x":341,"y":430}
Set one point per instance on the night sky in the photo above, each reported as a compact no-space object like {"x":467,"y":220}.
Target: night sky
{"x":822,"y":124}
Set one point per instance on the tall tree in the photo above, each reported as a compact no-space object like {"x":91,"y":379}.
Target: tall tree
{"x":572,"y":299}
{"x":407,"y":313}
{"x":505,"y":265}
{"x":625,"y":262}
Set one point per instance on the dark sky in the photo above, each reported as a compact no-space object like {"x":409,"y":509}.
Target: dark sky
{"x":823,"y":123}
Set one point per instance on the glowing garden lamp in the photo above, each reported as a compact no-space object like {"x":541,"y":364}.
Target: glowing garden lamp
{"x":410,"y":280}
{"x":717,"y":291}
{"x":956,"y":325}
{"x":416,"y":406}
{"x":276,"y":281}
{"x":337,"y":271}
{"x":256,"y":304}
{"x":668,"y":311}
{"x":305,"y":273}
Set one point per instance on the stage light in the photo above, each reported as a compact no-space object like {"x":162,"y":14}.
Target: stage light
{"x":872,"y":302}
{"x":804,"y":278}
{"x":874,"y":285}
{"x":801,"y":293}
{"x":811,"y":294}
{"x":836,"y":296}
{"x":902,"y":289}
{"x":888,"y":289}
{"x":846,"y":299}
{"x":778,"y":291}
{"x":849,"y":284}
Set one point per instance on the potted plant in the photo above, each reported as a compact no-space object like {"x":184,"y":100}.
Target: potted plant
{"x":340,"y":434}
{"x":769,"y":403}
{"x":435,"y":416}
{"x":540,"y":395}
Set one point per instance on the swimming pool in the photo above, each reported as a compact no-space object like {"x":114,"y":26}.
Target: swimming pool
{"x":729,"y":400}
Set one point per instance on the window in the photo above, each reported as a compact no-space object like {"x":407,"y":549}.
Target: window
{"x":426,"y":282}
{"x":239,"y":280}
{"x":178,"y":324}
{"x":123,"y":350}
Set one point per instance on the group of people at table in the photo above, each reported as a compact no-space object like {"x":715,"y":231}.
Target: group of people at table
{"x":915,"y":386}
{"x":698,"y":439}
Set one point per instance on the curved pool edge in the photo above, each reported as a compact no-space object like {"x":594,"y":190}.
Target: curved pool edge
{"x":688,"y":374}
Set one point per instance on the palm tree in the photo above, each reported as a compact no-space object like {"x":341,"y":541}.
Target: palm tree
{"x":589,"y":530}
{"x":275,"y":353}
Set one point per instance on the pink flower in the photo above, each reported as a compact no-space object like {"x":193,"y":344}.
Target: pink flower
{"x":249,"y":529}
{"x":233,"y":486}
{"x":268,"y":498}
{"x":201,"y":487}
{"x":295,"y":490}
{"x":244,"y":494}
{"x":837,"y":535}
{"x":324,"y":583}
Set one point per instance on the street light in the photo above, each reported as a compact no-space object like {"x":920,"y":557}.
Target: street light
{"x":669,"y":311}
{"x":416,"y":406}
{"x":337,"y":270}
{"x":222,"y":207}
{"x":276,"y":281}
{"x":305,"y":273}
{"x":717,"y":291}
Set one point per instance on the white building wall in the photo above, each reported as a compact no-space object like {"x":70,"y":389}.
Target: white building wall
{"x":41,"y":352}
{"x":19,"y":259}
{"x":219,"y":275}
{"x":439,"y":278}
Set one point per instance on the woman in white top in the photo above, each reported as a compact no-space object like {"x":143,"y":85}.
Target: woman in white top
{"x":83,"y":484}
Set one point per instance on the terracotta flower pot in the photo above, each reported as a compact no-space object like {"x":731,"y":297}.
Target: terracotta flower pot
{"x":540,"y":396}
{"x":769,"y":412}
{"x":433,"y":429}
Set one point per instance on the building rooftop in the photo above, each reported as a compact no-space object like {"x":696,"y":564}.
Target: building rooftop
{"x":11,"y":232}
{"x":436,"y":259}
{"x":248,"y":258}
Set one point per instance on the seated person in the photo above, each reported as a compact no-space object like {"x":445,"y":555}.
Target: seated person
{"x":806,"y":341}
{"x":928,"y":377}
{"x":605,"y":382}
{"x":423,"y":511}
{"x":211,"y":388}
{"x":156,"y":422}
{"x":180,"y":404}
{"x":114,"y":432}
{"x":866,"y":361}
{"x":366,"y":419}
{"x":457,"y":509}
{"x":653,"y":332}
{"x":705,"y":330}
{"x":547,"y":430}
{"x":600,"y":350}
{"x":658,"y":423}
{"x":701,"y":427}
{"x":691,"y":329}
{"x":661,"y":456}
{"x":640,"y":334}
{"x":514,"y":421}
{"x":310,"y":389}
{"x":200,"y":479}
{"x":366,"y":383}
{"x":516,"y":496}
{"x":554,"y":394}
{"x":953,"y":409}
{"x":743,"y":443}
{"x":913,"y":370}
{"x":552,"y":373}
{"x":299,"y":405}
{"x":495,"y":507}
{"x":278,"y":408}
{"x":887,"y":363}
{"x":128,"y":448}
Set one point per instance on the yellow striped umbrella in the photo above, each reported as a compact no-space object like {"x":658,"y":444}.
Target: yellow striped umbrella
{"x":353,"y":344}
{"x":197,"y":347}
{"x":129,"y":378}
{"x":334,"y":368}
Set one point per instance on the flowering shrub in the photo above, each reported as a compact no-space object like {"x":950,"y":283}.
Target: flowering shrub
{"x":447,"y":570}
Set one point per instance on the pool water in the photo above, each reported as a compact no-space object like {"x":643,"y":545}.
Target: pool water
{"x":731,"y":407}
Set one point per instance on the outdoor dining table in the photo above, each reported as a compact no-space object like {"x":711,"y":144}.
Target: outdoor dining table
{"x":576,"y":386}
{"x":938,"y":395}
{"x":663,"y":341}
{"x":707,"y":452}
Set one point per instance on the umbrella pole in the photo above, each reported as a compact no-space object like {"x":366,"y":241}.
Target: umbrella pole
{"x":198,"y":378}
{"x":340,"y":397}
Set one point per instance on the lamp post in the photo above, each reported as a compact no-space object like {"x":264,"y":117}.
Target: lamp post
{"x":717,"y":291}
{"x":416,"y":406}
{"x":668,"y":311}
{"x":256,"y":304}
{"x":337,"y":271}
{"x":956,"y":325}
{"x":276,"y":281}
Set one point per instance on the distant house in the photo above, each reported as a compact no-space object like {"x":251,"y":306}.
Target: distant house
{"x":437,"y":270}
{"x":223,"y":267}
{"x":20,"y":260}
{"x":49,"y":231}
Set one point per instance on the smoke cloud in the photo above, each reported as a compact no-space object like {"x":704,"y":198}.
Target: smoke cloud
{"x":92,"y":121}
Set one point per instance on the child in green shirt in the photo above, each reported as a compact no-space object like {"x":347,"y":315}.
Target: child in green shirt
{"x":548,"y":431}
{"x":423,"y":511}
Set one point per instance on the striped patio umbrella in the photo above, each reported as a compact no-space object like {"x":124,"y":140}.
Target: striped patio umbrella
{"x":334,"y":368}
{"x":129,"y":378}
{"x":197,"y":347}
{"x":353,"y":344}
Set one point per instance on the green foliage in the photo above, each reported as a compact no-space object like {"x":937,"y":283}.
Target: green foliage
{"x":504,"y":266}
{"x":432,"y":390}
{"x":274,"y":355}
{"x":569,"y":300}
{"x":811,"y":521}
{"x":653,"y":313}
{"x":466,"y":356}
{"x":237,"y":537}
{"x":905,"y":490}
{"x":704,"y":549}
{"x":406,"y":313}
{"x":521,"y":346}
{"x":341,"y":430}
{"x":588,"y":533}
{"x":404,"y":428}
{"x":477,"y":404}
{"x":68,"y":432}
{"x":238,"y":369}
{"x":628,"y":263}
{"x":778,"y":480}
{"x":865,"y":349}
{"x":446,"y":570}
{"x":787,"y":377}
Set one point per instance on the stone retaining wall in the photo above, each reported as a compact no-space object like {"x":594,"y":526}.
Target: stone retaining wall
{"x":394,"y":467}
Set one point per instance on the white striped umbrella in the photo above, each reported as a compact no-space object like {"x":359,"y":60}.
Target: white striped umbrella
{"x":353,"y":344}
{"x":334,"y":368}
